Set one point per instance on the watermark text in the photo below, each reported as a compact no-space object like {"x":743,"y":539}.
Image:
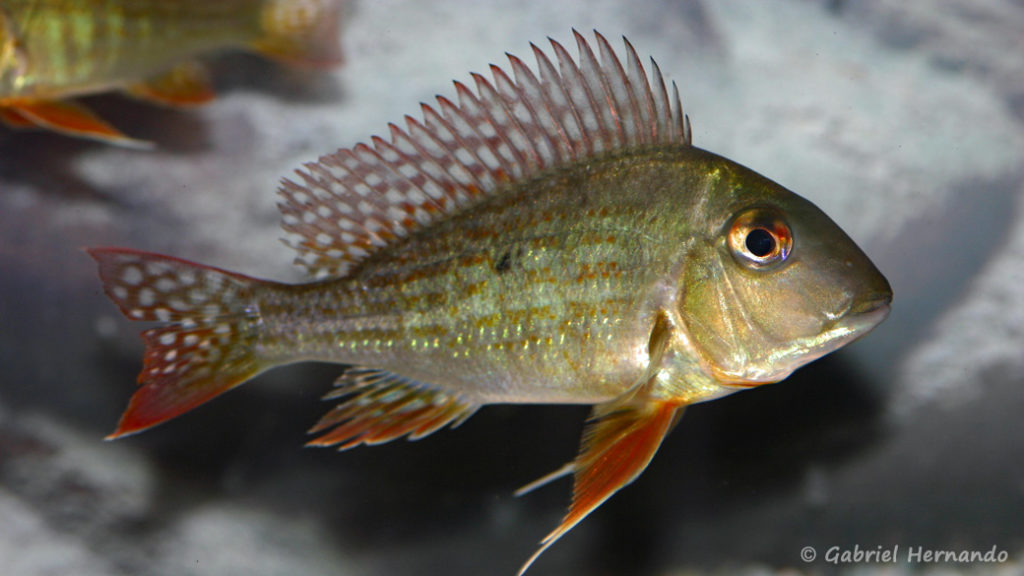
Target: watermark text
{"x":897,"y":554}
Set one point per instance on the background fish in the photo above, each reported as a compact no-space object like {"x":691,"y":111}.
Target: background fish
{"x":553,"y":237}
{"x":51,"y":50}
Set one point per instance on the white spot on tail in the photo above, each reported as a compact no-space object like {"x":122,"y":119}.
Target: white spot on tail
{"x":166,"y":285}
{"x":147,"y":297}
{"x":131,"y":276}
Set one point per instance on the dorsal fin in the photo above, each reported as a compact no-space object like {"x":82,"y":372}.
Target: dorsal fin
{"x":357,"y":200}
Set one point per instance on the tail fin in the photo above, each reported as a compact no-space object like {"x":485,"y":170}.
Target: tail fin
{"x":302,"y":31}
{"x":205,"y":345}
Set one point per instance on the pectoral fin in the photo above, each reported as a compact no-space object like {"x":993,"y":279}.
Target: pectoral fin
{"x":72,"y":119}
{"x":618,"y":443}
{"x":187,"y":84}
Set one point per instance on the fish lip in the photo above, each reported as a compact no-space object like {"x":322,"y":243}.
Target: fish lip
{"x":865,"y":316}
{"x":881,"y":300}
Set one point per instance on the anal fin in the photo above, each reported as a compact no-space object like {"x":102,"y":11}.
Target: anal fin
{"x":187,"y":84}
{"x":618,"y":444}
{"x":380,"y":406}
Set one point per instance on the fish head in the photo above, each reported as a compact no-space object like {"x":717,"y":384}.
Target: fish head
{"x":772,"y":283}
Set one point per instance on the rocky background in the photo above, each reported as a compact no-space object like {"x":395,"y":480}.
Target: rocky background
{"x":903,"y":120}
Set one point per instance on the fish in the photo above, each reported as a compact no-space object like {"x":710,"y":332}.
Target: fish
{"x":54,"y":50}
{"x":550,"y":236}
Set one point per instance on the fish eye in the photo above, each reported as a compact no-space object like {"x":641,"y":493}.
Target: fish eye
{"x":760,"y":238}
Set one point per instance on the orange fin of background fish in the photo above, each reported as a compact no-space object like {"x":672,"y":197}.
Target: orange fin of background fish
{"x":74,"y":120}
{"x":381,"y":406}
{"x":357,"y":200}
{"x":204,"y":346}
{"x":12,"y":119}
{"x":618,"y":443}
{"x":187,"y":84}
{"x":302,"y":32}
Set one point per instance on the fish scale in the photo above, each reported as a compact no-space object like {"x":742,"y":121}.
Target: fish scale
{"x":552,"y":237}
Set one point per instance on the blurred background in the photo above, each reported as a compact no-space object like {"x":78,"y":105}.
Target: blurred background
{"x":902,"y":120}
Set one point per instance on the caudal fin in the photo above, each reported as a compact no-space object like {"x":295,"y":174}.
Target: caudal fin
{"x":204,"y":345}
{"x":302,"y":31}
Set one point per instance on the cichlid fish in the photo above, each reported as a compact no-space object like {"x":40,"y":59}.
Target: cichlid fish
{"x":51,"y":50}
{"x":552,"y":237}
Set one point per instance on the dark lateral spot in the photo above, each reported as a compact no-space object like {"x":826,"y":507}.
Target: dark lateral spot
{"x":504,"y":263}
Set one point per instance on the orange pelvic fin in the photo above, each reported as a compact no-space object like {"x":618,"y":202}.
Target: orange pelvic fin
{"x":380,"y":406}
{"x":72,"y":119}
{"x":187,"y":84}
{"x":618,"y":443}
{"x":302,"y":32}
{"x":205,"y":345}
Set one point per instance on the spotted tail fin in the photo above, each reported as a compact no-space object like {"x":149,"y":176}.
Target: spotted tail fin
{"x":205,"y":343}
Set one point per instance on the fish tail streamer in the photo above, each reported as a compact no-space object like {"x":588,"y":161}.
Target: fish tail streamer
{"x":302,"y":31}
{"x":205,"y":341}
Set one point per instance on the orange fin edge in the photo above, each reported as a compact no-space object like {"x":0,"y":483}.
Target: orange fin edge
{"x":74,"y":120}
{"x":618,"y":444}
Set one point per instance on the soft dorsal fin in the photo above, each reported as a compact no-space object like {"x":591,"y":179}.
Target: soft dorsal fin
{"x":357,"y":200}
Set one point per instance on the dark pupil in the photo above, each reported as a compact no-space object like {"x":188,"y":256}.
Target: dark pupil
{"x":760,"y":242}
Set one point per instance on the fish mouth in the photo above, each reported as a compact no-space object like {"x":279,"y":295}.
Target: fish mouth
{"x":857,"y":321}
{"x":867,"y":314}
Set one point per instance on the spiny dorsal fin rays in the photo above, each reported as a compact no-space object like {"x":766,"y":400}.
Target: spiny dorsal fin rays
{"x":353,"y":202}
